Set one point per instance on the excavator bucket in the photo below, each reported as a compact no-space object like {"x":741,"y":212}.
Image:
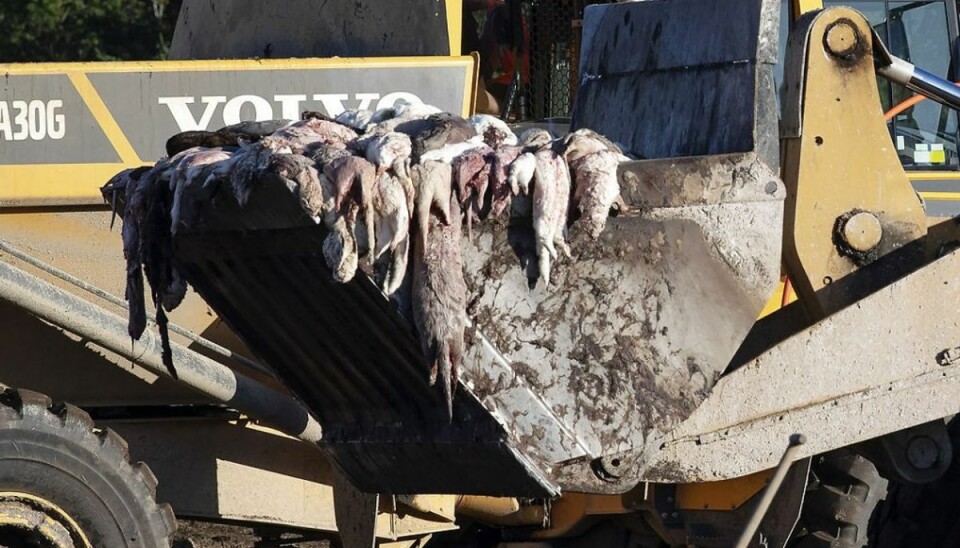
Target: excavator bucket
{"x":557,"y":382}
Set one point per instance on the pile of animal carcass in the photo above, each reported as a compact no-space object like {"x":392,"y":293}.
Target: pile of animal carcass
{"x":393,"y":186}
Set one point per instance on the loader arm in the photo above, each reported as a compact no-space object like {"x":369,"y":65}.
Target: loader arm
{"x":858,"y":356}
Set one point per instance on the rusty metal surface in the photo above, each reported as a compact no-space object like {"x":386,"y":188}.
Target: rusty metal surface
{"x":879,"y":364}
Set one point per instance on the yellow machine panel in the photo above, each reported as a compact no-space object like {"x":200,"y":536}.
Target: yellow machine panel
{"x":66,"y":128}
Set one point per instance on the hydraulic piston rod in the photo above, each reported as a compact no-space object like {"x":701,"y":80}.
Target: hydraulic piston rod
{"x":913,"y":77}
{"x":108,"y":330}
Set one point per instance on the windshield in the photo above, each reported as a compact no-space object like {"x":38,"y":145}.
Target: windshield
{"x":925,"y":134}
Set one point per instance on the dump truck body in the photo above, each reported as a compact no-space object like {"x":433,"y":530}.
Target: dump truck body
{"x":54,"y":213}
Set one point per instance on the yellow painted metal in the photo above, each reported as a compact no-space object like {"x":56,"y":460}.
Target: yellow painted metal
{"x":471,"y":99}
{"x":103,"y":117}
{"x":454,"y":25}
{"x":78,"y":241}
{"x":499,"y":507}
{"x":56,"y":184}
{"x":843,"y":161}
{"x":233,"y":65}
{"x":774,"y":303}
{"x":502,"y":511}
{"x":804,"y":6}
{"x":721,"y":495}
{"x":403,"y":526}
{"x":776,"y":300}
{"x":572,"y":513}
{"x":442,"y":506}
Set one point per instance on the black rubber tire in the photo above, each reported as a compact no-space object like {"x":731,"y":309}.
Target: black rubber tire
{"x":921,"y":515}
{"x":55,"y":452}
{"x":843,"y":491}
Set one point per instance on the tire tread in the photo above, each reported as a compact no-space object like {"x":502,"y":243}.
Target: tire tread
{"x":70,"y":421}
{"x":843,"y":491}
{"x":925,"y":515}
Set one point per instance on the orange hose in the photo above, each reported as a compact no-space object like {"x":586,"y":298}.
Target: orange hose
{"x":785,"y":299}
{"x":905,"y":104}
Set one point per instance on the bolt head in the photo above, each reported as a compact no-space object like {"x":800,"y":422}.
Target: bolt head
{"x":923,"y":453}
{"x":842,"y":39}
{"x":862,"y":232}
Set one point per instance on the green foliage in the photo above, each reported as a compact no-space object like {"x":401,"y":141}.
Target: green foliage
{"x":85,"y":30}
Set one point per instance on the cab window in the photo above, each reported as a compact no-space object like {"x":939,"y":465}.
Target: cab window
{"x":924,"y":134}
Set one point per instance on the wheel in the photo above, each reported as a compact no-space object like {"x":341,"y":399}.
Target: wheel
{"x":64,"y":482}
{"x":843,"y":491}
{"x":921,"y":515}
